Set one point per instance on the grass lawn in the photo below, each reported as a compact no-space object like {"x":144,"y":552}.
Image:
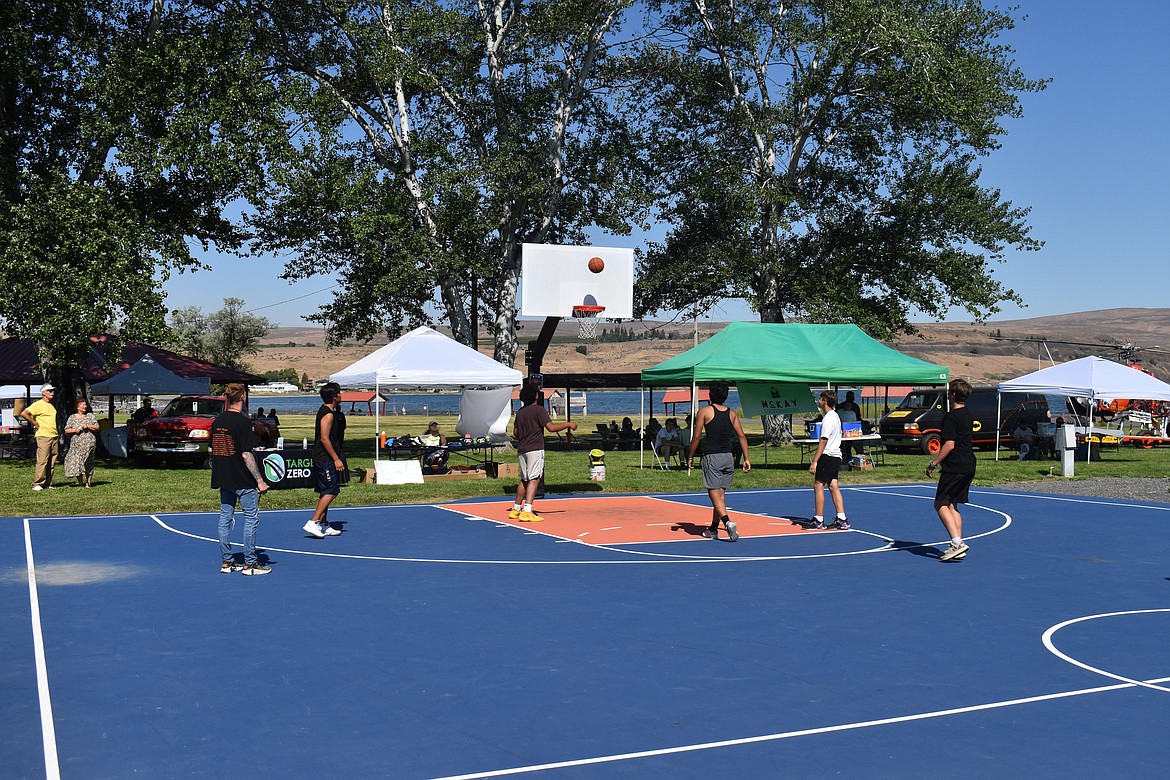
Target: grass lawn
{"x":121,"y":488}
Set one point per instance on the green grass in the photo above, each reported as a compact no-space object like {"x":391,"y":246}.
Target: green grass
{"x":120,"y":488}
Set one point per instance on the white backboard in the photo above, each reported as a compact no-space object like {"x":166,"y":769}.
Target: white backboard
{"x":554,"y":278}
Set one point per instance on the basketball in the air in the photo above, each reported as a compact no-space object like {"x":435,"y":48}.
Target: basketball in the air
{"x":596,"y":265}
{"x":274,"y":468}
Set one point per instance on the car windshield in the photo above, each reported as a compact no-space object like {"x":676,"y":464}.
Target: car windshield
{"x":922,"y":399}
{"x":194,"y":407}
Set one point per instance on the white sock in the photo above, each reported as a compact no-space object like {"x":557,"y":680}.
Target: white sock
{"x":516,"y":507}
{"x":528,"y":507}
{"x":818,"y":519}
{"x":840,"y":515}
{"x":957,"y":541}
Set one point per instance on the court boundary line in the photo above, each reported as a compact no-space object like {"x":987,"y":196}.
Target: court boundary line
{"x":1052,"y":648}
{"x":776,"y":737}
{"x":44,"y":700}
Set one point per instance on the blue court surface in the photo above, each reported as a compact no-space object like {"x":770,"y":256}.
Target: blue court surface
{"x":429,"y":642}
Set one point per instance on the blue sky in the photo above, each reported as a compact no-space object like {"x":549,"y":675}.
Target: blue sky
{"x":1089,"y":156}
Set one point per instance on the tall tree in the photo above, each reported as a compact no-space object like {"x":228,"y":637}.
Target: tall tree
{"x":224,"y":337}
{"x":433,"y":140}
{"x":823,"y":162}
{"x":120,"y":142}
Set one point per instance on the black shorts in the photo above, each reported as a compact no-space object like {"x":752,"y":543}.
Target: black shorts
{"x":952,"y":488}
{"x":828,"y":467}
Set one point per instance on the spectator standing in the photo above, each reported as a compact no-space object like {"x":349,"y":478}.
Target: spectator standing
{"x":43,"y":416}
{"x":957,"y":458}
{"x":82,"y":427}
{"x":329,"y":459}
{"x":826,"y":465}
{"x":718,"y":463}
{"x":236,"y":474}
{"x":531,"y":422}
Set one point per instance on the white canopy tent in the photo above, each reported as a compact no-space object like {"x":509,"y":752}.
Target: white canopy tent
{"x":1093,"y":378}
{"x":426,"y":359}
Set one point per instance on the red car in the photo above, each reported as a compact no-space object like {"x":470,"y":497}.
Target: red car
{"x":181,"y":432}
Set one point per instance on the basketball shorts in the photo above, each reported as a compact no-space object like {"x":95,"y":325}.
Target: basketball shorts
{"x":531,"y":465}
{"x":328,"y":480}
{"x":828,"y":467}
{"x":953,"y":488}
{"x":718,"y":468}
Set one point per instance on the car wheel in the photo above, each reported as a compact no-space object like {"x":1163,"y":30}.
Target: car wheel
{"x":931,"y":444}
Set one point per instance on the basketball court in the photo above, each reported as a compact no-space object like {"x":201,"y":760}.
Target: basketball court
{"x":609,"y":640}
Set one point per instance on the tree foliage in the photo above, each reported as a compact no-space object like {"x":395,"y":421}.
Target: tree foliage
{"x":123,"y":138}
{"x":432,"y":140}
{"x":224,"y":337}
{"x":823,"y":162}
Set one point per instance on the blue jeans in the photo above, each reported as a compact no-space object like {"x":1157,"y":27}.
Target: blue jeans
{"x":249,"y":499}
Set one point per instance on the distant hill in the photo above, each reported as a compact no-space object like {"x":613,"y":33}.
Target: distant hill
{"x":969,"y":350}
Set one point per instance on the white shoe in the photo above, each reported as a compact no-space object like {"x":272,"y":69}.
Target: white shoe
{"x":954,"y":552}
{"x":330,"y":530}
{"x":313,"y":528}
{"x":37,"y":487}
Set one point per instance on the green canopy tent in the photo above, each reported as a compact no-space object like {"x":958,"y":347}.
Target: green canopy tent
{"x":793,"y":353}
{"x":837,"y":355}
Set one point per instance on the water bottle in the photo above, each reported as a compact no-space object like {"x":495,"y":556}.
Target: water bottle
{"x":280,"y":442}
{"x":304,"y":444}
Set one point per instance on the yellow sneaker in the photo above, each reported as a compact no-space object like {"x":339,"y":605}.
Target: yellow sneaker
{"x":513,"y":514}
{"x":529,"y":517}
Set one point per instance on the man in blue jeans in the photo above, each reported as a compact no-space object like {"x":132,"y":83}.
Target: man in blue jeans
{"x":237,"y":475}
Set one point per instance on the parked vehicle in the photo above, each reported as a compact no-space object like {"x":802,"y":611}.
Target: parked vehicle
{"x":182,"y":431}
{"x":917,"y":422}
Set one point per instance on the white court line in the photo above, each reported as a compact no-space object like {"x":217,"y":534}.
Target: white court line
{"x":1074,"y":500}
{"x":399,"y":559}
{"x":1047,"y":638}
{"x":48,"y":731}
{"x":642,"y":557}
{"x":792,"y":734}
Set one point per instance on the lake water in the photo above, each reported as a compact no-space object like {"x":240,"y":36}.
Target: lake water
{"x":609,"y":403}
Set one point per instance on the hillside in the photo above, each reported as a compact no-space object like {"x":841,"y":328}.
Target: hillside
{"x":969,"y":350}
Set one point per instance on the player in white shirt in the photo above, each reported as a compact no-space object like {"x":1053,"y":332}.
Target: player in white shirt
{"x":826,"y":464}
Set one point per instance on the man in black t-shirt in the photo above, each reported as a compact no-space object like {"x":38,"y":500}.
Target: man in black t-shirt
{"x":237,"y":475}
{"x":328,"y":459}
{"x":957,"y":458}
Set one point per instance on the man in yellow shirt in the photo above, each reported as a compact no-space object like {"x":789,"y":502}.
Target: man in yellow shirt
{"x":43,"y":416}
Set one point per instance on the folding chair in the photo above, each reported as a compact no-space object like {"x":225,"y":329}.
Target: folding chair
{"x":664,"y":463}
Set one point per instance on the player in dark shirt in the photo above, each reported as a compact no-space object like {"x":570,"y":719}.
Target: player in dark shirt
{"x":531,"y":422}
{"x":237,"y":475}
{"x":328,"y":459}
{"x":957,"y":458}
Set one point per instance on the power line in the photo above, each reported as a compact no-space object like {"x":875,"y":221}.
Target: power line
{"x":290,"y":300}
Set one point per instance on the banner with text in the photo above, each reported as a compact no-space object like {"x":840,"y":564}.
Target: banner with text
{"x":760,"y":398}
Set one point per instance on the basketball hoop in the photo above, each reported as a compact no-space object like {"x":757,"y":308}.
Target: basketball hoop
{"x":588,"y":316}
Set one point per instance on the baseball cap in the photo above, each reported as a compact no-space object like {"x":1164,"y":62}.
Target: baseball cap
{"x":47,"y":387}
{"x":432,"y":422}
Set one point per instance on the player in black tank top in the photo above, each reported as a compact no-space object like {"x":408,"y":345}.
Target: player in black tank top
{"x":718,"y":464}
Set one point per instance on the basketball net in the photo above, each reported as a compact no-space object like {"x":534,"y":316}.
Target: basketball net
{"x":588,"y":317}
